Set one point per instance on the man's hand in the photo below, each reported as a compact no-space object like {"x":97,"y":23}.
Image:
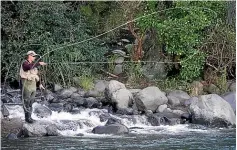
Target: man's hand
{"x":42,"y":63}
{"x":41,"y":87}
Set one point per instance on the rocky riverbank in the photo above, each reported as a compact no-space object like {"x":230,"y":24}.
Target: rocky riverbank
{"x":107,"y":104}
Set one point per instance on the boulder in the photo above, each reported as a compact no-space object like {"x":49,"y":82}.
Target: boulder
{"x":232,"y":87}
{"x":52,"y":130}
{"x":150,"y":98}
{"x":165,"y":118}
{"x":91,"y":102}
{"x":161,"y":108}
{"x":212,"y":110}
{"x":92,"y":93}
{"x":122,"y":98}
{"x":231,"y":99}
{"x":41,"y":111}
{"x":65,"y":93}
{"x":177,"y":97}
{"x":196,"y":88}
{"x":111,"y":129}
{"x":68,"y":107}
{"x":100,"y":85}
{"x":56,"y":107}
{"x":13,"y":125}
{"x":57,"y":87}
{"x":34,"y":130}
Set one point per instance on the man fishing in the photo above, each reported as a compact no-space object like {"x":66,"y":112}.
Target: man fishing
{"x":29,"y":78}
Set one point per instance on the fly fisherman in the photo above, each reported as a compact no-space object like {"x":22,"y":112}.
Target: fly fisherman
{"x":29,"y":78}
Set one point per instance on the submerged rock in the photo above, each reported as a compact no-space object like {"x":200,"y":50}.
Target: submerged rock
{"x":111,"y":129}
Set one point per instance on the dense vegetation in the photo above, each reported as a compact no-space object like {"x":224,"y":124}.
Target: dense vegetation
{"x":199,"y":35}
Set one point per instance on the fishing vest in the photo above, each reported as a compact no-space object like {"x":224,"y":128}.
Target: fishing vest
{"x":31,"y":74}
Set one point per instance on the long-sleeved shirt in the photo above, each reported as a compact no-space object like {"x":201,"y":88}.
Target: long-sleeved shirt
{"x":27,"y":65}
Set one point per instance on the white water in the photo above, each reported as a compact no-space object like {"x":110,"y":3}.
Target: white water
{"x":89,"y":118}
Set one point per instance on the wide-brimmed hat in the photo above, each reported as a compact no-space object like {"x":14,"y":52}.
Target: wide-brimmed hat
{"x":31,"y":53}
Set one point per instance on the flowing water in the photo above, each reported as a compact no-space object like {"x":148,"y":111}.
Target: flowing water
{"x":142,"y":135}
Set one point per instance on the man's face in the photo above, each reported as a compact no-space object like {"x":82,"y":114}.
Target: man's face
{"x":32,"y":57}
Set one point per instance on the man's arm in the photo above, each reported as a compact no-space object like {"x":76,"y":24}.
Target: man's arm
{"x":27,"y":66}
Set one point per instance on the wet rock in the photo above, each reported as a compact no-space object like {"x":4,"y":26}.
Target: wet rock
{"x":165,"y":118}
{"x":12,"y":136}
{"x":212,"y":110}
{"x":150,"y":98}
{"x":13,"y":125}
{"x":113,"y":120}
{"x":34,"y":130}
{"x":5,"y":111}
{"x":41,"y":111}
{"x":67,"y":107}
{"x":52,"y":130}
{"x":79,"y":101}
{"x":149,"y":113}
{"x":56,"y":107}
{"x":111,"y":129}
{"x":231,"y":99}
{"x":80,"y":134}
{"x":91,"y":102}
{"x":125,"y":111}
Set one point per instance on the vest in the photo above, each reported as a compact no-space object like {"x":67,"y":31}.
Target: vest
{"x":31,"y":74}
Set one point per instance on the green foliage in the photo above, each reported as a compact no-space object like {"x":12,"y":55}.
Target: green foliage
{"x":86,"y":82}
{"x":49,"y":28}
{"x":170,"y":84}
{"x":181,"y":30}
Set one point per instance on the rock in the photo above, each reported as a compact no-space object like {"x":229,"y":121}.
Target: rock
{"x":161,"y":108}
{"x":41,"y":111}
{"x":5,"y":111}
{"x":232,"y":87}
{"x":212,"y":110}
{"x":134,"y":91}
{"x":189,"y":101}
{"x":91,"y":102}
{"x":122,"y":98}
{"x":196,"y":88}
{"x":77,"y":80}
{"x":67,"y":107}
{"x":165,"y":118}
{"x":212,"y":89}
{"x":104,"y":117}
{"x":118,"y":69}
{"x":34,"y":130}
{"x":186,"y":117}
{"x":52,"y":130}
{"x":120,"y":52}
{"x":100,"y":85}
{"x":150,"y":98}
{"x":6,"y":99}
{"x":92,"y":93}
{"x":178,"y":112}
{"x":12,"y":136}
{"x":167,"y":110}
{"x":80,"y":101}
{"x":80,"y":134}
{"x":57,"y":87}
{"x":177,"y":97}
{"x":112,"y":120}
{"x":112,"y":87}
{"x":73,"y":89}
{"x":13,"y":125}
{"x":81,"y":92}
{"x":119,"y":60}
{"x":111,"y":129}
{"x":148,"y":113}
{"x":125,"y":111}
{"x":65,"y":93}
{"x":231,"y":99}
{"x":75,"y":96}
{"x":56,"y":107}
